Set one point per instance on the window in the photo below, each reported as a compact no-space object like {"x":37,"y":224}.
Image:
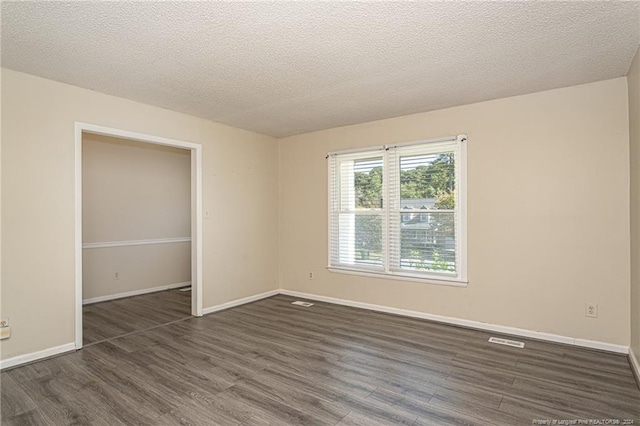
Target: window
{"x":400,"y":210}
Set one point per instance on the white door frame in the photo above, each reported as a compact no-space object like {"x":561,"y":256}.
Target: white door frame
{"x":196,"y":211}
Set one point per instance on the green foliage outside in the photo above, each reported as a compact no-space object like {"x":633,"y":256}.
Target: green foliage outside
{"x":429,"y":180}
{"x":446,"y":201}
{"x":368,"y":188}
{"x":436,"y":264}
{"x":368,"y":231}
{"x":434,"y":180}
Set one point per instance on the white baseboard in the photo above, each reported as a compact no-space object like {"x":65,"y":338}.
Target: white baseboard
{"x":635,"y":365}
{"x":35,"y":356}
{"x":239,"y":302}
{"x":603,"y":346}
{"x":134,"y":293}
{"x":592,"y":344}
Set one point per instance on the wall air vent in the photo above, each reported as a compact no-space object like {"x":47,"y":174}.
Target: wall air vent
{"x":300,"y":303}
{"x":506,"y":342}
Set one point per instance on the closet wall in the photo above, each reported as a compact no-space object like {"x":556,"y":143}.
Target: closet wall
{"x":136,"y":202}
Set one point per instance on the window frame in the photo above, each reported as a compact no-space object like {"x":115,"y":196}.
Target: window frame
{"x":460,"y":279}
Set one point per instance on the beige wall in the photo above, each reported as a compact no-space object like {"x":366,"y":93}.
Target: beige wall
{"x":548,"y":212}
{"x":634,"y":143}
{"x":239,"y":186}
{"x":134,"y":191}
{"x":139,"y":268}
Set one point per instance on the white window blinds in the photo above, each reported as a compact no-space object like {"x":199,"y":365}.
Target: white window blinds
{"x":356,"y":210}
{"x":400,"y":210}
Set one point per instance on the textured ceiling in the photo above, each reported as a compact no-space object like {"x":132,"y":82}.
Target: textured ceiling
{"x":288,"y":68}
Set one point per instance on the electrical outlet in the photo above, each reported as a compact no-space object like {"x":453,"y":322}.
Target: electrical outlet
{"x":5,"y":330}
{"x":591,"y":310}
{"x":310,"y":275}
{"x":116,"y":276}
{"x":5,"y":333}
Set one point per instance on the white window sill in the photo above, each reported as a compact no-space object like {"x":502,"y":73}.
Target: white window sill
{"x":453,"y":282}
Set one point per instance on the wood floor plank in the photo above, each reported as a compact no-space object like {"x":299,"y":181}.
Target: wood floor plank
{"x":461,"y":405}
{"x":13,"y":400}
{"x":106,"y":320}
{"x":454,"y":389}
{"x":264,"y":405}
{"x":29,"y":418}
{"x":256,"y":421}
{"x":57,"y":401}
{"x":438,"y":416}
{"x":525,"y":409}
{"x":359,"y":418}
{"x":546,"y":395}
{"x":273,"y":363}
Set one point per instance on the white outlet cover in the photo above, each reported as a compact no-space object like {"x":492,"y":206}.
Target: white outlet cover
{"x":587,"y":310}
{"x":5,"y":333}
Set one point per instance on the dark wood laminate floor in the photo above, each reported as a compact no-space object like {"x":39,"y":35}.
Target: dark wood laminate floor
{"x":106,"y":320}
{"x":272,"y":363}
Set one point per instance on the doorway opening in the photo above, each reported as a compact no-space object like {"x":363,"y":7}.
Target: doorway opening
{"x":145,"y":269}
